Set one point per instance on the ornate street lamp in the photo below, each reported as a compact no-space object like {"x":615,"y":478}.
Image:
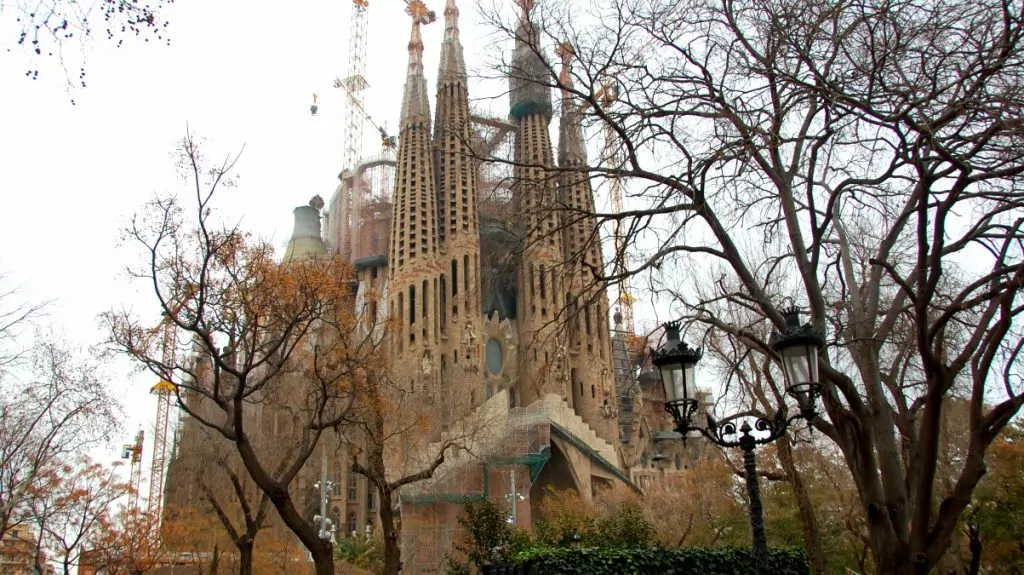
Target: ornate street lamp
{"x":797,"y":348}
{"x":677,"y":363}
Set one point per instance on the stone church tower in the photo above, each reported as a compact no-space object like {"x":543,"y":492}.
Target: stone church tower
{"x":414,"y":271}
{"x":557,"y":325}
{"x":493,"y":310}
{"x":591,"y":381}
{"x":491,"y":304}
{"x":459,"y":292}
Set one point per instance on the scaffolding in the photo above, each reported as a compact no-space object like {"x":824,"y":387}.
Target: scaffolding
{"x":493,"y":143}
{"x":513,"y":451}
{"x":358,"y":224}
{"x":359,"y":216}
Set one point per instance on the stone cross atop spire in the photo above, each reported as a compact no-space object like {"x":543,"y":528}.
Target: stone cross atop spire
{"x":565,"y":52}
{"x":415,"y":106}
{"x":451,"y":19}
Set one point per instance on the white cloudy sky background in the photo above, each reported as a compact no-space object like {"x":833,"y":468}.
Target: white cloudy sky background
{"x":236,"y":73}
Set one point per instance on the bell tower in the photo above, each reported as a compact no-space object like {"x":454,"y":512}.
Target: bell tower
{"x":591,"y":380}
{"x":413,"y":271}
{"x":540,"y":293}
{"x":458,"y":221}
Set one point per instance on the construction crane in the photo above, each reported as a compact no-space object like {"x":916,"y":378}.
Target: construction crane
{"x":387,"y":142}
{"x":133,"y":453}
{"x":163,"y":390}
{"x":355,"y":84}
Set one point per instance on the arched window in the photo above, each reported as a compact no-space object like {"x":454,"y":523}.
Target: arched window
{"x":350,"y":524}
{"x":336,"y":517}
{"x":679,"y":462}
{"x":352,"y":487}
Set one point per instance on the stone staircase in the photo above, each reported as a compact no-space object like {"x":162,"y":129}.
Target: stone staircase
{"x":475,"y":436}
{"x":561,"y":414}
{"x":482,"y":432}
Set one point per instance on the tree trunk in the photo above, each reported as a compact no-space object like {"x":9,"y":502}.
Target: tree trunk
{"x":245,"y":555}
{"x":812,"y":536}
{"x":974,"y":544}
{"x":392,"y":537}
{"x":323,"y":555}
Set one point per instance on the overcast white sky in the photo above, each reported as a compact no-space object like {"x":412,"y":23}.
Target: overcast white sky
{"x":237,"y":73}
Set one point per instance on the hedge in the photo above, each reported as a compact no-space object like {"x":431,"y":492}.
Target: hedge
{"x":688,"y":561}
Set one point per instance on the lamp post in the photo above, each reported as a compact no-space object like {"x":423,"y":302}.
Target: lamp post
{"x":797,"y":348}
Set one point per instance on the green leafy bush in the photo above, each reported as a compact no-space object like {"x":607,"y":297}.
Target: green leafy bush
{"x":626,"y":528}
{"x":651,"y":561}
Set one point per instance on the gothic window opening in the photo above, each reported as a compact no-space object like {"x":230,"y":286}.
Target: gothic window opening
{"x":426,"y":297}
{"x":543,"y":284}
{"x":412,"y":305}
{"x":444,"y":304}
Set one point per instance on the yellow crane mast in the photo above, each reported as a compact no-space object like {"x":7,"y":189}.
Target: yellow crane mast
{"x":163,"y":390}
{"x":133,"y":453}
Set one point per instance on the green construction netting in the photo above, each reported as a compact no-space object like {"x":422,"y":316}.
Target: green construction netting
{"x":534,"y":462}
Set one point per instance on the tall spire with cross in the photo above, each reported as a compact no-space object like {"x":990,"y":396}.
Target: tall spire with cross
{"x":458,"y":220}
{"x":413,"y":264}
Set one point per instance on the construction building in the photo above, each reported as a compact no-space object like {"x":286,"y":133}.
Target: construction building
{"x":485,"y":264}
{"x":480,"y":255}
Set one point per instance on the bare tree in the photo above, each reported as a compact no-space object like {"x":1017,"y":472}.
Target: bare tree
{"x":224,"y":489}
{"x":16,"y":317}
{"x":400,"y":439}
{"x":47,"y":30}
{"x":51,"y":411}
{"x":862,"y":159}
{"x":273,"y":341}
{"x":75,"y":502}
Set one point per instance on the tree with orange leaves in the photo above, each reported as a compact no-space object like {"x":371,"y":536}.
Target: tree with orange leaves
{"x":126,"y":543}
{"x":73,"y":507}
{"x":267,"y":338}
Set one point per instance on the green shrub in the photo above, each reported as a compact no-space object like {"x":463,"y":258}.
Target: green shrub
{"x":627,"y":528}
{"x":651,"y":561}
{"x":489,"y":536}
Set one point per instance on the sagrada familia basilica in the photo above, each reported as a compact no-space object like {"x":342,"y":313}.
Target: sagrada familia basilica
{"x":475,"y":243}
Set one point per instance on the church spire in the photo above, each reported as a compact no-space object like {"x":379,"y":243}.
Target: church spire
{"x":458,"y":220}
{"x":529,"y":78}
{"x":570,"y":134}
{"x":453,"y":65}
{"x":415,"y":106}
{"x":412,"y":265}
{"x":593,"y":394}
